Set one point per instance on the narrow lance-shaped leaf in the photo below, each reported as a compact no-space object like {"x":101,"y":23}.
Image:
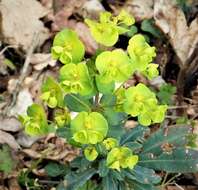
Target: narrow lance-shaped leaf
{"x":175,"y":136}
{"x":181,"y":160}
{"x":77,"y":180}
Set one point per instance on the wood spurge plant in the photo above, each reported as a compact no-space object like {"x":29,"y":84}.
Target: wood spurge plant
{"x":91,"y":107}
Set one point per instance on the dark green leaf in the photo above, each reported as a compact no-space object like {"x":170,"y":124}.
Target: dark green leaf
{"x":55,"y":169}
{"x":64,"y":132}
{"x":139,"y":186}
{"x":80,"y":162}
{"x":6,"y":162}
{"x":77,"y":103}
{"x":144,"y":175}
{"x":165,"y":93}
{"x":114,"y":118}
{"x":132,"y":31}
{"x":133,"y":134}
{"x":109,"y":183}
{"x":176,"y":136}
{"x":108,"y":100}
{"x":179,"y":161}
{"x":76,"y":180}
{"x":116,"y":131}
{"x":133,"y":145}
{"x":147,"y":25}
{"x":103,"y":169}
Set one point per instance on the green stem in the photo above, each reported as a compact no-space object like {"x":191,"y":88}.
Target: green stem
{"x":170,"y":180}
{"x":96,"y":99}
{"x":77,"y":99}
{"x":119,"y":88}
{"x":164,"y":180}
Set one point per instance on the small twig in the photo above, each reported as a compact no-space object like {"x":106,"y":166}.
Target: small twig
{"x":49,"y":182}
{"x":184,"y":106}
{"x":164,"y":180}
{"x":22,"y":74}
{"x":179,"y":186}
{"x":7,"y":47}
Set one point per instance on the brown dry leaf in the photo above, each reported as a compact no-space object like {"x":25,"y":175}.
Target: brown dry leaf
{"x":140,"y":9}
{"x":130,"y":124}
{"x":24,"y":99}
{"x":42,"y":60}
{"x":85,"y":35}
{"x":63,"y":10}
{"x":91,"y":9}
{"x":171,"y":20}
{"x":10,"y":124}
{"x":20,"y":22}
{"x":13,"y":184}
{"x":6,"y":138}
{"x":26,"y":141}
{"x":181,"y":187}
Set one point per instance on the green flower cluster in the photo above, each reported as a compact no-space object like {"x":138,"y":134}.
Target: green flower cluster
{"x":67,"y":47}
{"x":142,"y":54}
{"x":142,"y":102}
{"x":106,"y":32}
{"x":121,"y":157}
{"x":35,"y":121}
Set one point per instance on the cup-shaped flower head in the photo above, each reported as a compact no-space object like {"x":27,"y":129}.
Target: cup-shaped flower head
{"x":152,"y":113}
{"x":114,"y":66}
{"x":141,"y":52}
{"x":90,"y":153}
{"x":121,"y":157}
{"x":125,"y":18}
{"x":110,"y":143}
{"x":136,"y":98}
{"x":141,"y":101}
{"x":35,"y":122}
{"x":62,"y":117}
{"x":151,"y":71}
{"x":74,"y":78}
{"x":52,"y":93}
{"x":105,"y":31}
{"x":89,"y":128}
{"x":67,"y":47}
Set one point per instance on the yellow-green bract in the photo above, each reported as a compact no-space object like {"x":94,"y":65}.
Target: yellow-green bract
{"x":114,"y":66}
{"x":121,"y":157}
{"x":141,"y":101}
{"x":90,"y":153}
{"x":74,"y":78}
{"x":142,"y":54}
{"x":89,"y":128}
{"x":62,"y":117}
{"x":106,"y":32}
{"x":36,"y":121}
{"x":110,"y":143}
{"x":67,"y":47}
{"x":52,"y":93}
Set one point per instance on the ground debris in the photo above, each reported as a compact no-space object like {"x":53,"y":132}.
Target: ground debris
{"x":20,"y":21}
